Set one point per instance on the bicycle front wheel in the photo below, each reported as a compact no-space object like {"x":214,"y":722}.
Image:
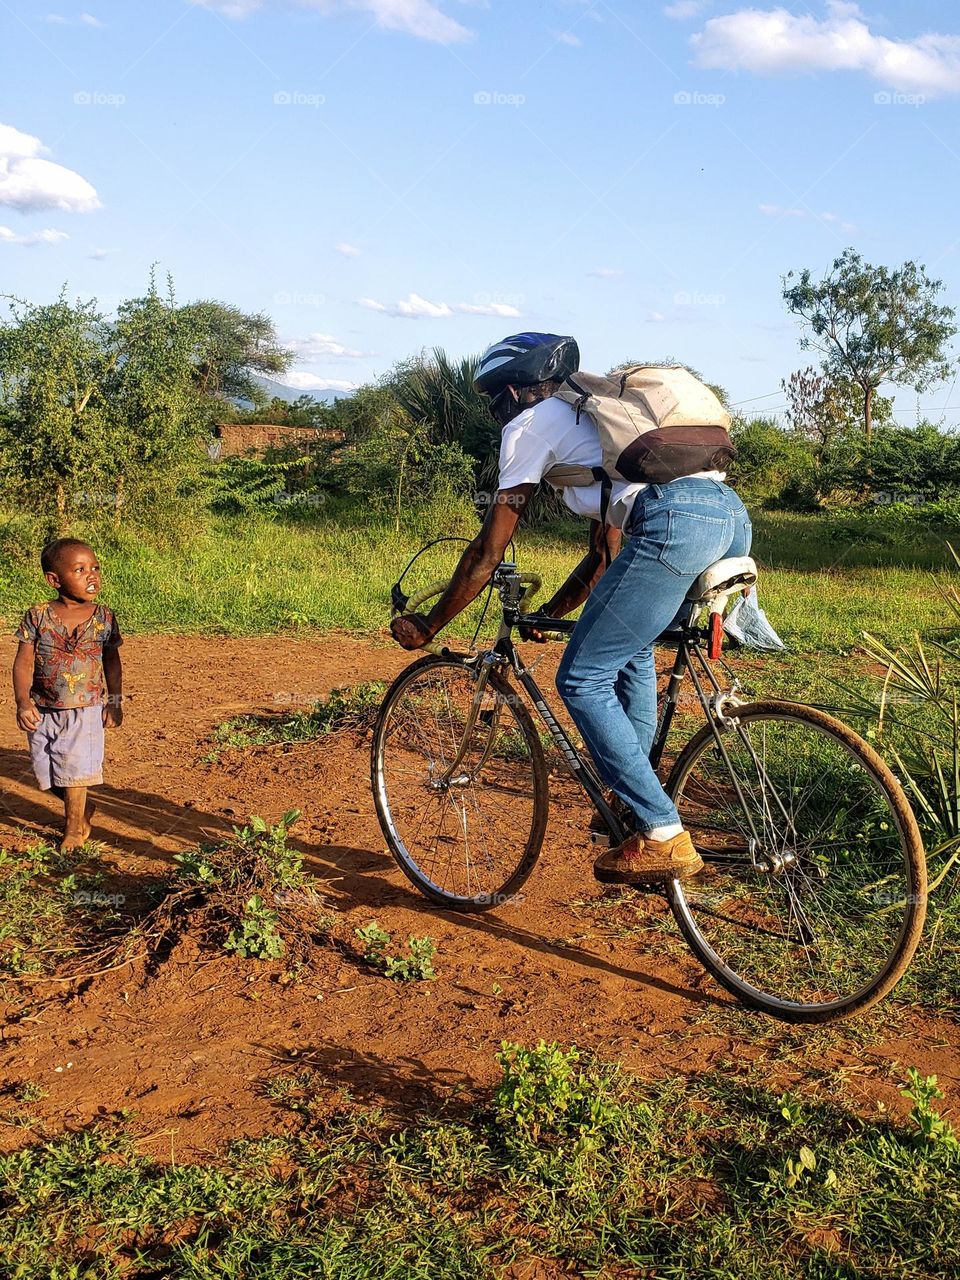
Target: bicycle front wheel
{"x":467,"y":837}
{"x":812,"y":901}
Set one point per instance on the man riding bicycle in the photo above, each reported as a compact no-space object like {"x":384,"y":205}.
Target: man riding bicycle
{"x":607,"y":678}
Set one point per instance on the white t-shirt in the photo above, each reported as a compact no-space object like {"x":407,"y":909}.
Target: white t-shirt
{"x":548,"y":433}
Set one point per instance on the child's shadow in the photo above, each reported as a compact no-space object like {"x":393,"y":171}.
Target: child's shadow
{"x":144,"y":824}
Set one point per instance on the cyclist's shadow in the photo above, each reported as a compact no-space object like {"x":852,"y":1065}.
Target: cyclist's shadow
{"x":357,"y":877}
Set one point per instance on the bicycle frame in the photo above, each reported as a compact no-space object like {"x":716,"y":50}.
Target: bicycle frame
{"x":689,"y":641}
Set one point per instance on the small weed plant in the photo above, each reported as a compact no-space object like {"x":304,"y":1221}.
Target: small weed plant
{"x":415,"y":966}
{"x":933,"y":1128}
{"x":257,"y":937}
{"x":549,"y":1092}
{"x":248,"y":894}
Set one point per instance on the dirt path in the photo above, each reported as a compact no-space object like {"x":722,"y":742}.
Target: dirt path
{"x":187,"y":1051}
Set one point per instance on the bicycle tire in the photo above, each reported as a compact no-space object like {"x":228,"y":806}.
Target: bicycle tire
{"x":728,"y":913}
{"x":476,"y":823}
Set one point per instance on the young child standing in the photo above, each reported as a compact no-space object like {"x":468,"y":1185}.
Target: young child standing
{"x":67,"y":681}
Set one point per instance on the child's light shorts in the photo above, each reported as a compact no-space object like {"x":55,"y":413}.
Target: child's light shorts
{"x":67,"y":748}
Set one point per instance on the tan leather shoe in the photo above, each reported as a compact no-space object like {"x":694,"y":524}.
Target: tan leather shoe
{"x":641,"y":860}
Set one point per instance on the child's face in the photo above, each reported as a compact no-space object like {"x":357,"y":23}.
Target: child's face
{"x":76,"y":575}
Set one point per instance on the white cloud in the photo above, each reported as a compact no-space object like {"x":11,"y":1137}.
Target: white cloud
{"x":656,"y":317}
{"x":606,"y":273}
{"x":685,"y":9}
{"x":502,"y":309}
{"x":778,"y":211}
{"x":774,"y":41}
{"x":416,"y":308}
{"x":420,"y":18}
{"x":98,"y":255}
{"x":413,"y":308}
{"x":323,"y":346}
{"x":312,"y":382}
{"x":841,"y":223}
{"x":83,"y":20}
{"x":348,"y":250}
{"x":30,"y":238}
{"x":567,"y":37}
{"x":27,"y":182}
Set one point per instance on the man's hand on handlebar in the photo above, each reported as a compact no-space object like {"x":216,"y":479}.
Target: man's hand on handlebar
{"x":412,"y":631}
{"x":531,"y":633}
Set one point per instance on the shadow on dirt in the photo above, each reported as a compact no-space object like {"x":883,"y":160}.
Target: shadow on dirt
{"x":350,"y":876}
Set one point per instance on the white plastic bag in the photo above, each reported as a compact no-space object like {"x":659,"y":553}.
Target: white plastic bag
{"x":748,"y":625}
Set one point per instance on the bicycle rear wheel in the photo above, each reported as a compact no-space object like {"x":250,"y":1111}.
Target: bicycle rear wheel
{"x":468,"y":840}
{"x":812,"y":901}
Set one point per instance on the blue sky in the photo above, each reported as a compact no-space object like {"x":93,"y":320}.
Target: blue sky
{"x":382,"y":176}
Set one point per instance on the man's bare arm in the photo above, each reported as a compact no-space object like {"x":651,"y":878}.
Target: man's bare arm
{"x":604,"y":545}
{"x":474,"y":570}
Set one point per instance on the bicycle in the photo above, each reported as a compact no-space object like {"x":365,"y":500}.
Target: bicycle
{"x":812,"y":899}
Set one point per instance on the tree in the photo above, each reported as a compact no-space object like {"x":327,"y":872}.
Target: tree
{"x":821,"y":409}
{"x":151,"y":404}
{"x":873,"y":325}
{"x":53,"y":362}
{"x":90,"y":405}
{"x":230,"y":347}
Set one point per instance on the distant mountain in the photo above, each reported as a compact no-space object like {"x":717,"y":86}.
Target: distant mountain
{"x":277,"y":391}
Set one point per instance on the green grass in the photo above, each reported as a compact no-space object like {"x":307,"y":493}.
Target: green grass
{"x":353,"y":708}
{"x":253,"y":576}
{"x":50,"y":909}
{"x":566,"y":1161}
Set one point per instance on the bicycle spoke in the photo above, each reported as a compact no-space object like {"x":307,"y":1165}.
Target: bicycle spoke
{"x":797,"y":917}
{"x":460,"y":834}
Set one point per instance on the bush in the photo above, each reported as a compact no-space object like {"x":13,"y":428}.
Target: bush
{"x":772,"y":465}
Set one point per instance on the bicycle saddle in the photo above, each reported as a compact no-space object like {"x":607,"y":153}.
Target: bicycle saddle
{"x":723,"y":579}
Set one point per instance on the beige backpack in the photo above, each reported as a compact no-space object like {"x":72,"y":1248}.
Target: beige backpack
{"x":656,"y":424}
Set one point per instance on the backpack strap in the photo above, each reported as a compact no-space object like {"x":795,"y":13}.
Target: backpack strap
{"x":606,"y":488}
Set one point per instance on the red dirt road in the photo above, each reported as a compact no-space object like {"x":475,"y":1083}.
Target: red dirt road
{"x":187,"y":1050}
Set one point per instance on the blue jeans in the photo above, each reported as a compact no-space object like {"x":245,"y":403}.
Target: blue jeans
{"x":607,"y":677}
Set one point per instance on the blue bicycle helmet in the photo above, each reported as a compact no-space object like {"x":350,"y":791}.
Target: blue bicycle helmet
{"x":525,"y":359}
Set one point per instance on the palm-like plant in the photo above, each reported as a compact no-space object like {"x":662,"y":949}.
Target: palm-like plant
{"x":920,"y":719}
{"x":438,"y":395}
